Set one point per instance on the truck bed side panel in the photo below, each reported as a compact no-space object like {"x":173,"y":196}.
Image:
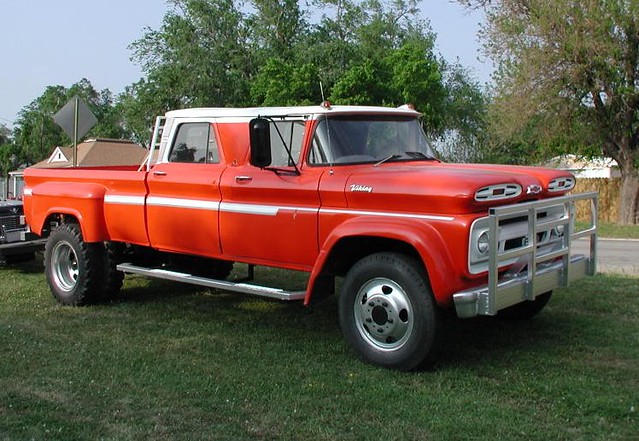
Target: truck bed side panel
{"x":108,"y":202}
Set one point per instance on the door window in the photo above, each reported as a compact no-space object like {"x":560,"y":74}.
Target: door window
{"x":195,"y":143}
{"x":286,"y":134}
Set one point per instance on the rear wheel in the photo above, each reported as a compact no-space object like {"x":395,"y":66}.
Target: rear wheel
{"x":112,"y":278}
{"x":73,"y":267}
{"x":387,"y":312}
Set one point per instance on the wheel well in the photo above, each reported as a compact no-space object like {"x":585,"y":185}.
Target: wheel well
{"x":351,"y":249}
{"x":55,"y":219}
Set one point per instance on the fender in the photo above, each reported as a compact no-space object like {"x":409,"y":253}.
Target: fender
{"x":84,"y":201}
{"x":420,"y":234}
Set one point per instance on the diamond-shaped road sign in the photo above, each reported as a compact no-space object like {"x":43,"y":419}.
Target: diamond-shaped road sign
{"x":66,"y":118}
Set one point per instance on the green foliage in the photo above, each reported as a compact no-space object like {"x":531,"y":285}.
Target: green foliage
{"x":10,"y":158}
{"x":281,"y":83}
{"x":213,"y":53}
{"x":465,"y":137}
{"x":36,"y":134}
{"x":197,"y":58}
{"x":221,"y":53}
{"x":566,"y":80}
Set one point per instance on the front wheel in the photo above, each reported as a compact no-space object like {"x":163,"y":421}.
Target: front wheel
{"x":387,"y":312}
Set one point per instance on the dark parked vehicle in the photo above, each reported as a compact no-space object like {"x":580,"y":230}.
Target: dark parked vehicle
{"x":17,"y":242}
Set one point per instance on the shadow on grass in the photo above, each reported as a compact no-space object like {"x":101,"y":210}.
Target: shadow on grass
{"x":487,"y":341}
{"x":464,"y":343}
{"x":34,"y":266}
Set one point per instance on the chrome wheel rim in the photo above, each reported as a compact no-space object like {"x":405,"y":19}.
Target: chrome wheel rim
{"x":384,"y":314}
{"x":65,"y":266}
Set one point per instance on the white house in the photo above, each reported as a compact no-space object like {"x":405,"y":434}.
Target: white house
{"x":586,"y":168}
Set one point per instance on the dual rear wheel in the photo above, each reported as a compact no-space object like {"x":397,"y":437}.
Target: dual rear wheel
{"x":80,"y":273}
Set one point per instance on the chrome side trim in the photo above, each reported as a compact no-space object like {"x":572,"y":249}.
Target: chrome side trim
{"x":123,"y":199}
{"x":385,"y":214}
{"x":157,"y":201}
{"x":264,"y":210}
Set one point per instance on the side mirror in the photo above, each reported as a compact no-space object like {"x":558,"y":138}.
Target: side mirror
{"x":260,"y":135}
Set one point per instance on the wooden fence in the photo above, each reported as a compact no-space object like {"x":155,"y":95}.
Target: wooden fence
{"x":609,"y":196}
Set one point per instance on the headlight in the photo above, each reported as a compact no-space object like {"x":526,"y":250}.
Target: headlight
{"x":483,"y":243}
{"x":558,"y":231}
{"x":498,"y":192}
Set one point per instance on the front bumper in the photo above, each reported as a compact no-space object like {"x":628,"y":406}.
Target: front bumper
{"x":537,"y":271}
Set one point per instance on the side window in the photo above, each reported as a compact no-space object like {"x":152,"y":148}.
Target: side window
{"x":292,"y":135}
{"x":319,"y":153}
{"x":194,"y":142}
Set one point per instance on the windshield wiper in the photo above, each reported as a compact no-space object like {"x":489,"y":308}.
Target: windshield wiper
{"x":419,"y":155}
{"x":388,"y":158}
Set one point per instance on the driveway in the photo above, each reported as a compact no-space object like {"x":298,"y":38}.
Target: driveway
{"x":619,"y":256}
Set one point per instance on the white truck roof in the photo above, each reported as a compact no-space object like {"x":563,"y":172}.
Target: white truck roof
{"x":302,"y":111}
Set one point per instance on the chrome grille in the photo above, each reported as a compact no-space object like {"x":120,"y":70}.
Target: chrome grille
{"x":9,"y":223}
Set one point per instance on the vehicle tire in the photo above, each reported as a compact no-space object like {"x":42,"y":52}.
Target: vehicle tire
{"x":526,"y":309}
{"x":112,"y":278}
{"x":73,"y":267}
{"x":387,"y":312}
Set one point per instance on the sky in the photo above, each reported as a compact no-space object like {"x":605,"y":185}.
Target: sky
{"x":45,"y":43}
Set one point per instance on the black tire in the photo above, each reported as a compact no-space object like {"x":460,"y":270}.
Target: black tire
{"x":112,"y":278}
{"x":73,"y":267}
{"x":526,"y":309}
{"x":387,"y":312}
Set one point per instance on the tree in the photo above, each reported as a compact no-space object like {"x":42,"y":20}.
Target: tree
{"x":36,"y":134}
{"x":9,"y":155}
{"x":568,"y":77}
{"x":216,"y":53}
{"x":464,"y":138}
{"x":199,"y":57}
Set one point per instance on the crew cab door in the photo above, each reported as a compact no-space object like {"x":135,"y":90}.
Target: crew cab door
{"x":184,"y":192}
{"x":268,"y":216}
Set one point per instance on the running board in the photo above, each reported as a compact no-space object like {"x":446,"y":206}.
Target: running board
{"x":262,"y":291}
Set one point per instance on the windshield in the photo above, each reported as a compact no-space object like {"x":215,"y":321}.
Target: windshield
{"x":369,"y":139}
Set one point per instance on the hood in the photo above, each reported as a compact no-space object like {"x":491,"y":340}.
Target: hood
{"x":9,"y":206}
{"x":451,"y":188}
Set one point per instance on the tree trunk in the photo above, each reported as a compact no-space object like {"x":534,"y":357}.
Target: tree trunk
{"x":629,"y":212}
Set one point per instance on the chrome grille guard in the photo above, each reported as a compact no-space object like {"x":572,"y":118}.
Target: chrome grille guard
{"x":536,"y":271}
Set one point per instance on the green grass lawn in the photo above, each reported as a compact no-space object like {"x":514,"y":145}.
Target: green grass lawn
{"x":614,"y":231}
{"x":171,"y":362}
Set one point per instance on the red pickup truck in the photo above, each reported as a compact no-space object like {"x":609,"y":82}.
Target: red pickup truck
{"x":334,"y":191}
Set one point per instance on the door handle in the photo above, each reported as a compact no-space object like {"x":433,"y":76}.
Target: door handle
{"x":159,"y":173}
{"x":243,"y":178}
